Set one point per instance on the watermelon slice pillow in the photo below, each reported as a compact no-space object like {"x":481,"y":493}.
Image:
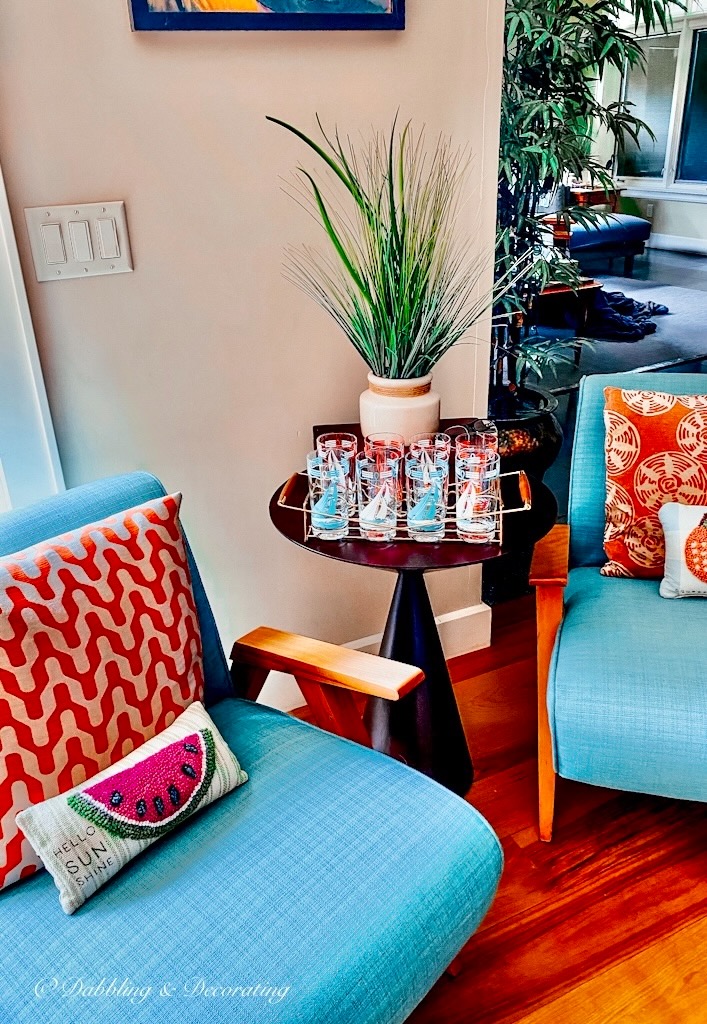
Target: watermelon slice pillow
{"x":85,"y":836}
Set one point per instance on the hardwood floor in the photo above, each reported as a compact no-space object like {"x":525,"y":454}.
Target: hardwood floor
{"x":605,"y":925}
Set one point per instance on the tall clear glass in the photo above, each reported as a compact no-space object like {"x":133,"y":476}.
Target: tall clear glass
{"x":377,"y":487}
{"x":383,"y":441}
{"x":487,"y":433}
{"x":385,"y":448}
{"x":328,"y":497}
{"x":477,"y":505}
{"x":482,"y":442}
{"x":339,"y":449}
{"x":427,"y":485}
{"x":436,"y":446}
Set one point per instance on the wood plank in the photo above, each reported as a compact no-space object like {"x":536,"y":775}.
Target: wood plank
{"x":624,"y":876}
{"x":616,"y":885}
{"x":321,"y":662}
{"x":498,"y":710}
{"x":512,"y":637}
{"x":665,"y":984}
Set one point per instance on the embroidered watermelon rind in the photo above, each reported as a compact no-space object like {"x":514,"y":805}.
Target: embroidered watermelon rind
{"x":120,"y":827}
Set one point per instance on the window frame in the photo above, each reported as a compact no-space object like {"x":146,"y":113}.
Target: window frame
{"x":667,"y":186}
{"x":30,"y":442}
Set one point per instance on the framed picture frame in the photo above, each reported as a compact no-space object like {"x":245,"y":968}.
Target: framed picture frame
{"x":254,"y":15}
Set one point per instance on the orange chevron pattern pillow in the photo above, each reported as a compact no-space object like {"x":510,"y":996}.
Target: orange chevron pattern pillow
{"x":656,"y":451}
{"x":99,"y":651}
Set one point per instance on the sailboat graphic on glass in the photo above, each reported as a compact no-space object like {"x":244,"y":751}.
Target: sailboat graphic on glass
{"x":427,"y":482}
{"x":328,"y":496}
{"x":377,"y":484}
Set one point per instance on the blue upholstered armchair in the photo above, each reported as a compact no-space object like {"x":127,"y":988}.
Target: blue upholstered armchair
{"x":338,"y":881}
{"x":622,"y":684}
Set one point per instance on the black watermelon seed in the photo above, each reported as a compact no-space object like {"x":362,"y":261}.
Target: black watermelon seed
{"x":174,"y":795}
{"x":159,"y":804}
{"x":141,"y":808}
{"x":191,"y":748}
{"x":188,"y":770}
{"x":116,"y":799}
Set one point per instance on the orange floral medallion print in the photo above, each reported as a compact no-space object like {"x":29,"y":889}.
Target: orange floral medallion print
{"x":99,"y":651}
{"x":696,"y":551}
{"x":656,"y":451}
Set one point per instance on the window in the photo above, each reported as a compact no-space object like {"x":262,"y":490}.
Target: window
{"x":29,"y":461}
{"x":649,"y":90}
{"x":692,"y":164}
{"x":670,"y":94}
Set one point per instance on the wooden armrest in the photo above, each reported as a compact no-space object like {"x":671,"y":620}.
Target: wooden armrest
{"x":551,"y":558}
{"x":316,"y":661}
{"x":548,"y":572}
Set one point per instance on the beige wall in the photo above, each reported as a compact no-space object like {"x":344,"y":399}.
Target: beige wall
{"x":676,"y":219}
{"x":186,"y":366}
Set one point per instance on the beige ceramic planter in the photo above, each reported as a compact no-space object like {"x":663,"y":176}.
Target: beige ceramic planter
{"x":404,"y":407}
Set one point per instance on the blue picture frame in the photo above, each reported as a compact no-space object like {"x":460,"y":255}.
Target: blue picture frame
{"x":145,"y":18}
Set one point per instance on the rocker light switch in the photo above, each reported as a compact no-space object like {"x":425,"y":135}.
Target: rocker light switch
{"x":81,"y":240}
{"x":107,"y":238}
{"x":53,"y":244}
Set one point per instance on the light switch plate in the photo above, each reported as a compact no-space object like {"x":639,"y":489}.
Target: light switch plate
{"x":94,"y":237}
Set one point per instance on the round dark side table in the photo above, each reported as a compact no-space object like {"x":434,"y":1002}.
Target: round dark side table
{"x":424,"y":728}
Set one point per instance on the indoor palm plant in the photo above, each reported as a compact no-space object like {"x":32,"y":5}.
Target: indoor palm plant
{"x":555,"y":53}
{"x":395,"y":276}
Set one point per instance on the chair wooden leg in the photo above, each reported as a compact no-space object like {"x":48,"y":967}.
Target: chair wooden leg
{"x":546,"y":794}
{"x":549,"y":602}
{"x":248,"y":680}
{"x":455,"y":968}
{"x":335,"y":710}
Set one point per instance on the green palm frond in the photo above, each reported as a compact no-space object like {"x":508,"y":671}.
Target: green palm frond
{"x":555,"y":52}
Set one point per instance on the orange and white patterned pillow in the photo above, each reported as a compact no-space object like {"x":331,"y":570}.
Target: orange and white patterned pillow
{"x":656,"y":451}
{"x":99,"y":651}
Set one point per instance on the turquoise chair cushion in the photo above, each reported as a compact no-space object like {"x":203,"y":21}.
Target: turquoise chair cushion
{"x":628,"y":688}
{"x":588,"y":474}
{"x":87,"y":504}
{"x":335,"y":873}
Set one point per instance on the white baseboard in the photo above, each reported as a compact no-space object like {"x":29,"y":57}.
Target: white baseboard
{"x":678,"y":243}
{"x":464,"y":630}
{"x":461,"y":631}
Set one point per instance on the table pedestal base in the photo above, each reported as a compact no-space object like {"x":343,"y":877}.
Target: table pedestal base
{"x":424,"y":729}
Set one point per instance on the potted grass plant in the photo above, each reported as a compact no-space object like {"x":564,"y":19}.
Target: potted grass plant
{"x":395,"y":275}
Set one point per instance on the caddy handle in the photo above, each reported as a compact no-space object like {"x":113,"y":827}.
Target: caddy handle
{"x":524,"y":487}
{"x":285,"y":492}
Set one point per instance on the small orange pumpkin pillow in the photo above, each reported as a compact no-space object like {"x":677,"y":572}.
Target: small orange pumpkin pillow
{"x":656,"y":451}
